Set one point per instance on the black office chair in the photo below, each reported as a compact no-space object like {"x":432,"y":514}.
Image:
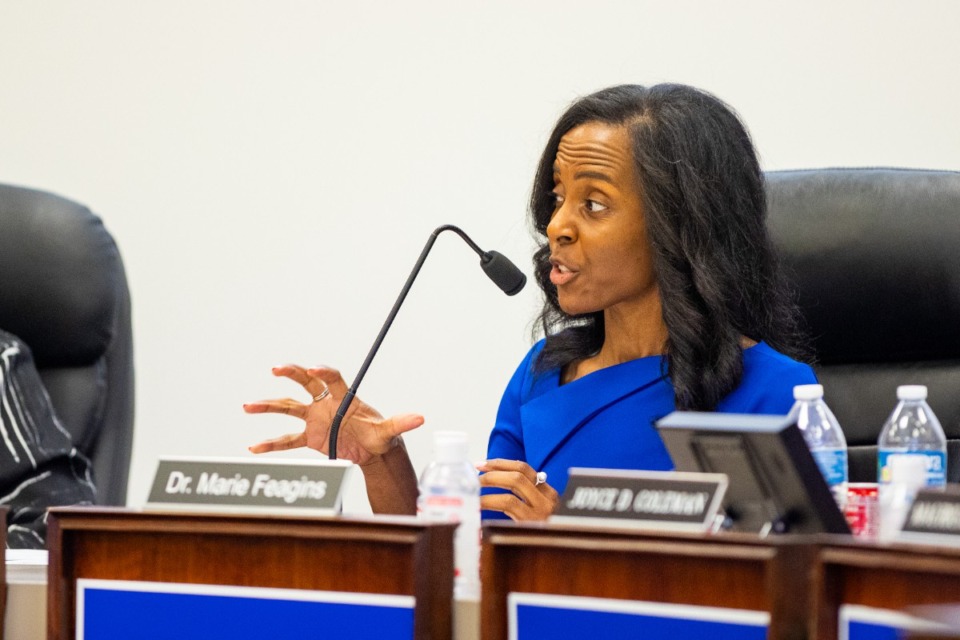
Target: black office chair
{"x":875,"y":254}
{"x":63,"y":291}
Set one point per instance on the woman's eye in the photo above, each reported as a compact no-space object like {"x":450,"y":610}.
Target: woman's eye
{"x":595,"y":207}
{"x":556,"y":198}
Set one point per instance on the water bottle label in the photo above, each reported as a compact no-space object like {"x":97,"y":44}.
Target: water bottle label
{"x":833,"y":465}
{"x":936,"y":466}
{"x":440,"y":508}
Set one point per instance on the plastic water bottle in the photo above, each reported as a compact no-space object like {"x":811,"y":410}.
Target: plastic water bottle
{"x":450,"y":492}
{"x":908,"y":474}
{"x":913,"y":429}
{"x":823,"y":436}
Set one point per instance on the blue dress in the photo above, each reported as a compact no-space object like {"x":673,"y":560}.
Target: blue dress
{"x":606,"y":419}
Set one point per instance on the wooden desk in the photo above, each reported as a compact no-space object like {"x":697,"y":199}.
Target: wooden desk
{"x":730,"y":571}
{"x":895,"y":577}
{"x":377,"y":555}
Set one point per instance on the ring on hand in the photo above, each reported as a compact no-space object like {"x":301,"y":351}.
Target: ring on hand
{"x":541,"y":478}
{"x":323,"y":394}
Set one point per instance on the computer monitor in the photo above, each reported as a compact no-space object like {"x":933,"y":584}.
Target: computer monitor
{"x":775,"y":484}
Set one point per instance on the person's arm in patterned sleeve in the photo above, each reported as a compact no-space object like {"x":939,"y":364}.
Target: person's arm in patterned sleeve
{"x":39,"y":466}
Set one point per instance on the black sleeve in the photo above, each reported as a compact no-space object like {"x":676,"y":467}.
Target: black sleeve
{"x":39,"y":466}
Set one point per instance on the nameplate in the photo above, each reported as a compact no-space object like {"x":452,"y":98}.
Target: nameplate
{"x":934,"y":517}
{"x":238,"y":485}
{"x":655,"y":500}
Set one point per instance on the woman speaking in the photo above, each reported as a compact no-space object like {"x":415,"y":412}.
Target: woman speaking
{"x":661,"y":292}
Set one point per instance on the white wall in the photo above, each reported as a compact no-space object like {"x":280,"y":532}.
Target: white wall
{"x":271,"y":169}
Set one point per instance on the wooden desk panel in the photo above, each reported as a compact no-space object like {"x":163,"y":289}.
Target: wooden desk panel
{"x":384,"y":555}
{"x":895,"y":577}
{"x":738,"y":572}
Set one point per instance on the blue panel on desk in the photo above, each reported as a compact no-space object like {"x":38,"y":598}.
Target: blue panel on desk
{"x":857,"y":622}
{"x":159,"y":613}
{"x":570,"y":617}
{"x":872,"y":631}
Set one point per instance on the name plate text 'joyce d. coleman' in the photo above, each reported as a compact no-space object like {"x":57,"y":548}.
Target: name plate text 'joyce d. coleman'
{"x":238,"y":485}
{"x":653,"y":500}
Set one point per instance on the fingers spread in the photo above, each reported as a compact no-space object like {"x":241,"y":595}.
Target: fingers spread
{"x":400,"y":424}
{"x":254,"y":407}
{"x":307,"y":378}
{"x":283,"y":443}
{"x":327,"y":374}
{"x":286,"y":406}
{"x":293,"y":371}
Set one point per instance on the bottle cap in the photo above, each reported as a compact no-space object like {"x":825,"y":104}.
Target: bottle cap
{"x":912,"y":392}
{"x":808,"y":392}
{"x":450,"y":446}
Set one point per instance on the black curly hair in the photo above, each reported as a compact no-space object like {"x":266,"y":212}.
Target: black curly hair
{"x":705,"y":210}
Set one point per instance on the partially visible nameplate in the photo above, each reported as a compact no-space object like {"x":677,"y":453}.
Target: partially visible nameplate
{"x":655,"y":500}
{"x":934,"y":517}
{"x":239,"y":485}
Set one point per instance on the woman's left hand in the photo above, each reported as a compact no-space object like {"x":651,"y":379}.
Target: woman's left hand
{"x":527,"y":500}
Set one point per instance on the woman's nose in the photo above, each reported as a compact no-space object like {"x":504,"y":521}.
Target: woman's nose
{"x":561,"y":229}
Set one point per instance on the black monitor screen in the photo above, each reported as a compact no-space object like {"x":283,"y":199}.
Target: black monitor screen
{"x":775,"y":484}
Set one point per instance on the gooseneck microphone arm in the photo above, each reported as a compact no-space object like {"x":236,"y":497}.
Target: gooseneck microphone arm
{"x":503,"y":272}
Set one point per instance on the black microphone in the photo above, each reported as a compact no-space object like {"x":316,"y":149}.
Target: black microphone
{"x":498,"y":268}
{"x":503,"y":272}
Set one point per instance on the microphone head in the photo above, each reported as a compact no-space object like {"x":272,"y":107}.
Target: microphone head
{"x":504,"y":273}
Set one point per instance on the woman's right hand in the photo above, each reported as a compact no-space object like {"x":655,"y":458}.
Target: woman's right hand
{"x":364,"y":433}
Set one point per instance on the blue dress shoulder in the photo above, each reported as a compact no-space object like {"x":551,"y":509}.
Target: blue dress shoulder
{"x":606,"y":419}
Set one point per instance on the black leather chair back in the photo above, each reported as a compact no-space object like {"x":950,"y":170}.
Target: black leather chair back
{"x":63,"y":291}
{"x":875,"y":254}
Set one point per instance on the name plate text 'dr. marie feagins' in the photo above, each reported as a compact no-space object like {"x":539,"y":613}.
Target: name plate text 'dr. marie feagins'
{"x":247,"y":485}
